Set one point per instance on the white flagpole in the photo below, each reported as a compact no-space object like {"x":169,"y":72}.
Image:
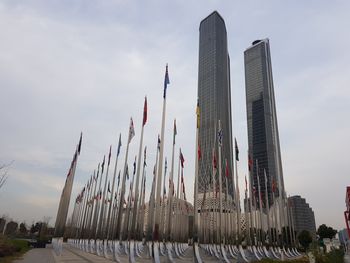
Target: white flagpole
{"x":267,"y":209}
{"x":160,"y":165}
{"x":113,"y":184}
{"x":237,"y":203}
{"x":133,"y":221}
{"x":171,"y":188}
{"x":122,"y":192}
{"x":260,"y":205}
{"x":220,"y":186}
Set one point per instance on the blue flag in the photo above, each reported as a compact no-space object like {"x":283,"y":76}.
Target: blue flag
{"x":166,"y":81}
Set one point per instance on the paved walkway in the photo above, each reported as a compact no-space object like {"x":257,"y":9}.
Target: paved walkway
{"x":347,"y":258}
{"x":37,"y":255}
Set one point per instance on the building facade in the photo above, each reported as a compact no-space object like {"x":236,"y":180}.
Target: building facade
{"x":214,"y":98}
{"x":302,"y":215}
{"x":263,"y":139}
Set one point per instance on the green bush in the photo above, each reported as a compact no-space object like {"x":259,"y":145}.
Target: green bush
{"x":9,"y":247}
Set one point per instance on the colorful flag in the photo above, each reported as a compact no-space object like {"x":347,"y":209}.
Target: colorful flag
{"x":214,"y":161}
{"x":131,"y":130}
{"x":134,"y":166}
{"x":144,"y":157}
{"x":166,"y":81}
{"x":118,"y":179}
{"x":158,"y":146}
{"x":144,"y":113}
{"x":198,"y":114}
{"x":220,"y":135}
{"x":236,"y":150}
{"x":80,"y":141}
{"x":119,"y":144}
{"x":127,"y":172}
{"x":273,"y":185}
{"x":199,"y":152}
{"x":103,"y":164}
{"x":250,"y":162}
{"x":182,"y":160}
{"x":175,"y":132}
{"x":109,"y":155}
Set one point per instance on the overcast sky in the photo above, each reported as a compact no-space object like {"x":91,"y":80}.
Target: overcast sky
{"x":85,"y":65}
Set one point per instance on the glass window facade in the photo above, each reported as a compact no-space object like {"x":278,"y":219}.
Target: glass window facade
{"x":214,"y":96}
{"x":263,"y":140}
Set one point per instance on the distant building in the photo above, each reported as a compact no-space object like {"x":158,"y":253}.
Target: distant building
{"x":344,"y":238}
{"x":302,"y":215}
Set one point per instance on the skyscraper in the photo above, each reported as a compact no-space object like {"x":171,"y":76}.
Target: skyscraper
{"x":214,"y":97}
{"x":263,"y":138}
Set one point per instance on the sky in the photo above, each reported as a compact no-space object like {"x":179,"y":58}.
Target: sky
{"x":85,"y":65}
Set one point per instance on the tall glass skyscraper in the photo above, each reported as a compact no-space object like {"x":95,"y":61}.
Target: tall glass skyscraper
{"x":214,"y":97}
{"x":263,"y":139}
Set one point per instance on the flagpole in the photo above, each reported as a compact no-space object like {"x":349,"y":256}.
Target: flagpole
{"x":113,"y":184}
{"x":171,"y":188}
{"x":260,"y":204}
{"x":93,"y":203}
{"x":176,"y":230}
{"x":98,"y":203}
{"x":103,"y":198}
{"x":267,"y":208}
{"x":197,"y":258}
{"x":122,"y":192}
{"x":237,"y":200}
{"x":160,"y":167}
{"x":133,"y":221}
{"x":220,"y":187}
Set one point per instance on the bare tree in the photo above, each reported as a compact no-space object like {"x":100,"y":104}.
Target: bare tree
{"x":4,"y":168}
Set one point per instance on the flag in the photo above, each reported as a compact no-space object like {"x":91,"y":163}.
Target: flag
{"x":182,"y":160}
{"x":109,"y":190}
{"x":166,"y":81}
{"x":273,"y":185}
{"x":79,"y":144}
{"x":198,"y":114}
{"x":144,"y":157}
{"x":175,"y":132}
{"x":166,"y":166}
{"x":103,"y":164}
{"x":118,"y":178}
{"x":220,"y":135}
{"x":131,"y":130}
{"x":214,"y":161}
{"x":158,"y":146}
{"x":250,"y":162}
{"x":144,"y":113}
{"x":236,"y":150}
{"x":134,"y":166}
{"x":127,"y":172}
{"x":119,"y":144}
{"x":98,"y":171}
{"x":109,"y":155}
{"x":246,"y":183}
{"x":199,"y":152}
{"x":226,"y":170}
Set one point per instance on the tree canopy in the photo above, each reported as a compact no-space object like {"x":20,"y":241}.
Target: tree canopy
{"x":326,"y":232}
{"x":305,"y":239}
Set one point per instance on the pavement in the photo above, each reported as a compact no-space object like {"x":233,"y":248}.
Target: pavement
{"x":73,"y":255}
{"x":347,"y":258}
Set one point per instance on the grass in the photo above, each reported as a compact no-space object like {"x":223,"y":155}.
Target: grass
{"x":11,"y":249}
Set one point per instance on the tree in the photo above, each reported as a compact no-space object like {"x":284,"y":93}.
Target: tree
{"x":23,"y":228}
{"x":326,"y":232}
{"x":305,"y":239}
